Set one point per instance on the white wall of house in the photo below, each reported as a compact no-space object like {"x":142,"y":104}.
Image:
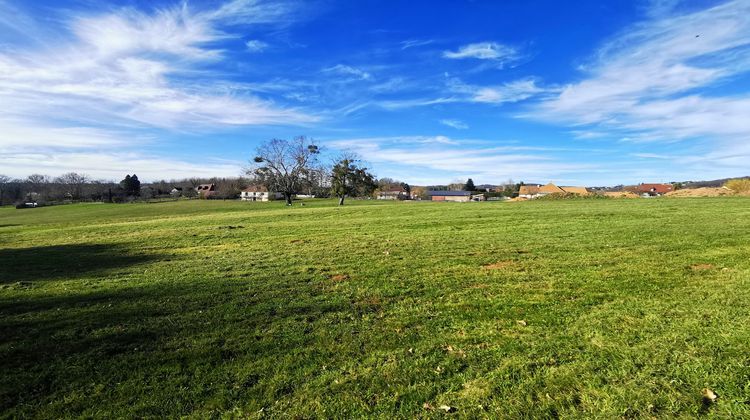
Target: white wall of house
{"x":259,"y":196}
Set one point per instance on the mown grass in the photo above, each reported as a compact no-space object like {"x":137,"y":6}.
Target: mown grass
{"x":606,"y":308}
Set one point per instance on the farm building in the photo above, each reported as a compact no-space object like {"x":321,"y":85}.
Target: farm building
{"x":206,"y":190}
{"x":461,"y":196}
{"x":654,"y":189}
{"x":259,"y":193}
{"x":528,"y":191}
{"x":576,"y":190}
{"x":550,"y":189}
{"x":534,"y":191}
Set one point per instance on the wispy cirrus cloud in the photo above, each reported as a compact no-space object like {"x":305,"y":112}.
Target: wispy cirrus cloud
{"x":113,"y":165}
{"x":345,"y":70}
{"x":649,"y":83}
{"x":127,"y":66}
{"x":457,"y":124}
{"x":454,"y":160}
{"x":512,"y":91}
{"x":256,"y":45}
{"x":485,"y":51}
{"x":129,"y":70}
{"x":413,"y":43}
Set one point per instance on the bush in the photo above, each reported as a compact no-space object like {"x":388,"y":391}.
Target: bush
{"x":739,"y":185}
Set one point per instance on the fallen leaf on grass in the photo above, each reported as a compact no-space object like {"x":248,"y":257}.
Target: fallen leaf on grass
{"x":427,"y":406}
{"x":457,"y":352}
{"x":447,"y":408}
{"x":709,"y":396}
{"x":521,"y":322}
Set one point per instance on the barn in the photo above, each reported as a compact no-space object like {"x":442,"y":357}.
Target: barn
{"x":459,"y":196}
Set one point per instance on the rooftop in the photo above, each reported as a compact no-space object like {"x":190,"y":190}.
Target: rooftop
{"x":449,"y":193}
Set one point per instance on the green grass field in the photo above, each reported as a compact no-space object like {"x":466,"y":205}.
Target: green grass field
{"x":596,"y":308}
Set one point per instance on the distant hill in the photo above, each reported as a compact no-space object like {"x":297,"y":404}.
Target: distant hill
{"x":712,"y":183}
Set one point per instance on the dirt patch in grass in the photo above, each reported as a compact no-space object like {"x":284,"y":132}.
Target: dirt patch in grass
{"x":340,"y":277}
{"x":702,"y":267}
{"x":500,"y":265}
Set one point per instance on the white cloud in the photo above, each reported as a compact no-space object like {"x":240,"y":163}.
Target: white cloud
{"x":485,"y":51}
{"x":113,"y":166}
{"x":255,"y":45}
{"x":513,"y":91}
{"x":81,"y":99}
{"x":509,"y":92}
{"x":344,"y":70}
{"x":126,"y":67}
{"x":439,"y":164}
{"x":457,"y":124}
{"x":253,"y":12}
{"x":19,"y":134}
{"x":649,"y":82}
{"x":408,"y":103}
{"x":413,"y":43}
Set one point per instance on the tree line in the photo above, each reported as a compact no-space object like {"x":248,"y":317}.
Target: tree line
{"x":289,"y":167}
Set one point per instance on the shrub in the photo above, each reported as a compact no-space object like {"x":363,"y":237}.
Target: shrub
{"x":739,"y":185}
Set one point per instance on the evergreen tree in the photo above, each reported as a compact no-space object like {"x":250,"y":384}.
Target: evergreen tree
{"x":469,"y":185}
{"x":131,"y":185}
{"x":347,"y":179}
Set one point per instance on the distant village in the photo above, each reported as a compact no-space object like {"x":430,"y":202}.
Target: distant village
{"x":39,"y":190}
{"x":468,"y":193}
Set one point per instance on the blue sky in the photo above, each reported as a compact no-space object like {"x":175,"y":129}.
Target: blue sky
{"x":585,"y":92}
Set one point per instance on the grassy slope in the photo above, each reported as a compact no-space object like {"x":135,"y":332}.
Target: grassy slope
{"x":376,"y":308}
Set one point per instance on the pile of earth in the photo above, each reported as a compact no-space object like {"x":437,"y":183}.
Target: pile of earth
{"x":621,"y":194}
{"x":701,"y":192}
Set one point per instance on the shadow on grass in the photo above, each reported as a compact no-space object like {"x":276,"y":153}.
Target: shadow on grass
{"x":178,"y":344}
{"x":63,"y":261}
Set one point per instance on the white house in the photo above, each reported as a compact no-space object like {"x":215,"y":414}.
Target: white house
{"x":259,"y":193}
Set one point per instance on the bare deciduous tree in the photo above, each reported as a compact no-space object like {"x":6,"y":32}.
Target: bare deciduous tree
{"x":284,"y":165}
{"x":73,"y":183}
{"x":4,"y":179}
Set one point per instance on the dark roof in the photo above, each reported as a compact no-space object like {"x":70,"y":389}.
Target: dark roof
{"x":449,"y":193}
